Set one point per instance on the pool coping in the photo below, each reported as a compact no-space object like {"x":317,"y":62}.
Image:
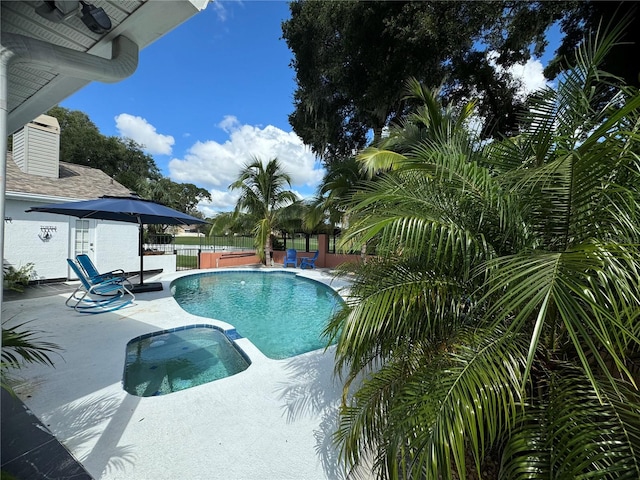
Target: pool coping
{"x":50,"y":397}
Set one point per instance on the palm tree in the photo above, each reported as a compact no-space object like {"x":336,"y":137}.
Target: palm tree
{"x":335,"y":190}
{"x":263,"y":195}
{"x":498,"y":325}
{"x":328,"y":208}
{"x":21,"y":346}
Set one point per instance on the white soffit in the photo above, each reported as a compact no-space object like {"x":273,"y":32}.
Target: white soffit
{"x":32,"y":92}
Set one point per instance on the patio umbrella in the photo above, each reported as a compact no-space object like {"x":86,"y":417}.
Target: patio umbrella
{"x":124,"y":209}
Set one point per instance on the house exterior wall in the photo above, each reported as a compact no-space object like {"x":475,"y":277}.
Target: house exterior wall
{"x":23,"y":244}
{"x":116,"y":247}
{"x":115,"y":244}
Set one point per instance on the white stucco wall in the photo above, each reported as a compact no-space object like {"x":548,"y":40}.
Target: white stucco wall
{"x":114,"y":244}
{"x":23,"y":245}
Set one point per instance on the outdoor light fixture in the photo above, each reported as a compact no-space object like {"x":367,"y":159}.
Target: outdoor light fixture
{"x":95,"y":18}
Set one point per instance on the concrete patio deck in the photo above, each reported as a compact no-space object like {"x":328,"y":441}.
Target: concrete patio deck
{"x":272,"y":421}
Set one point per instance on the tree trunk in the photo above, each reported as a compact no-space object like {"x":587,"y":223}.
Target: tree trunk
{"x":267,"y":251}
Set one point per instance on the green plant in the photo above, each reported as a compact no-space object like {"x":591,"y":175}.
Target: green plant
{"x":22,"y":346}
{"x":17,"y":278}
{"x":499,"y":318}
{"x":263,"y":196}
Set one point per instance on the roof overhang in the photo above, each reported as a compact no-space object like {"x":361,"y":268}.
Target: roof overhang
{"x":34,"y":87}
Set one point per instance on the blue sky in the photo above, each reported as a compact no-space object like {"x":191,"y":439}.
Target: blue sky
{"x":213,"y":93}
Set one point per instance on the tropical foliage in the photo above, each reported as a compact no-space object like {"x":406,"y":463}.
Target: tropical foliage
{"x":351,"y":59}
{"x":183,"y":197}
{"x":16,"y":278}
{"x":498,"y":323}
{"x":22,"y":346}
{"x":264,"y":198}
{"x":338,"y":184}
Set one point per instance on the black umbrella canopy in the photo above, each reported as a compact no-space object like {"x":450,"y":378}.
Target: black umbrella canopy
{"x":123,"y":209}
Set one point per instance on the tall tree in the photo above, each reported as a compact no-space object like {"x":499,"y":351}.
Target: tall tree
{"x":500,"y":317}
{"x":530,"y":20}
{"x":124,"y":160}
{"x":263,"y":195}
{"x":334,"y":194}
{"x":183,"y":197}
{"x":81,"y":142}
{"x":351,"y":59}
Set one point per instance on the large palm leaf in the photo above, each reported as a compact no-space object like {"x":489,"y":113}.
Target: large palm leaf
{"x":21,"y":346}
{"x":506,"y":273}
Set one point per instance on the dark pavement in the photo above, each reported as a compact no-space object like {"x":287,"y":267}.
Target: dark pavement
{"x":28,"y":450}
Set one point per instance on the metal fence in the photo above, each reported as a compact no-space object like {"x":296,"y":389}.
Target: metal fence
{"x":187,"y":259}
{"x":187,"y":248}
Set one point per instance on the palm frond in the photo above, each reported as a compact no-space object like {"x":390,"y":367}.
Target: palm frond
{"x":22,"y":345}
{"x":576,"y":433}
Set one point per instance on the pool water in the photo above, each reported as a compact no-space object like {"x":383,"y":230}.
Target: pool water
{"x":281,"y":313}
{"x":173,"y":360}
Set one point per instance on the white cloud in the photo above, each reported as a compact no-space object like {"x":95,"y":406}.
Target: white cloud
{"x":221,"y":12}
{"x":229,"y":123}
{"x":142,"y":132}
{"x":221,"y":201}
{"x":530,"y":74}
{"x":215,"y":166}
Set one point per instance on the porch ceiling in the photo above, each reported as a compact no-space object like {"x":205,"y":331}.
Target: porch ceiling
{"x":32,"y":90}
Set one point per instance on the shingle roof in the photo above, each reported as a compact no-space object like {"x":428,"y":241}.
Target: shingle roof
{"x":75,"y":181}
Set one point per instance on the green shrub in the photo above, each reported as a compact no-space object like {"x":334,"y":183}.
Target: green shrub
{"x":17,"y":279}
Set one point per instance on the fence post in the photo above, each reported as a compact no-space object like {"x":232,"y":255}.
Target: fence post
{"x":198,"y":259}
{"x":323,"y":247}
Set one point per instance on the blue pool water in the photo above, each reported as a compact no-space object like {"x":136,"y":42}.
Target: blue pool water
{"x":281,"y":313}
{"x":172,"y":360}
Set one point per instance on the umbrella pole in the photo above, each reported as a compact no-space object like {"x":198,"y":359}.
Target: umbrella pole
{"x":144,"y":287}
{"x":141,"y":250}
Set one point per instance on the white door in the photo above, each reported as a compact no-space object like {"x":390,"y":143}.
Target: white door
{"x":83,"y":239}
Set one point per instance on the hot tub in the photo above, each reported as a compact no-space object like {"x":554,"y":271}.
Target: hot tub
{"x":168,"y":361}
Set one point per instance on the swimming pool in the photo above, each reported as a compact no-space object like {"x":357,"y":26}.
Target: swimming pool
{"x":282,"y":313}
{"x":172,"y":360}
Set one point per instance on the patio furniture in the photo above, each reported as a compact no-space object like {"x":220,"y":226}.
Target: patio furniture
{"x":113,"y":293}
{"x":309,"y":261}
{"x":291,"y":257}
{"x":90,"y":269}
